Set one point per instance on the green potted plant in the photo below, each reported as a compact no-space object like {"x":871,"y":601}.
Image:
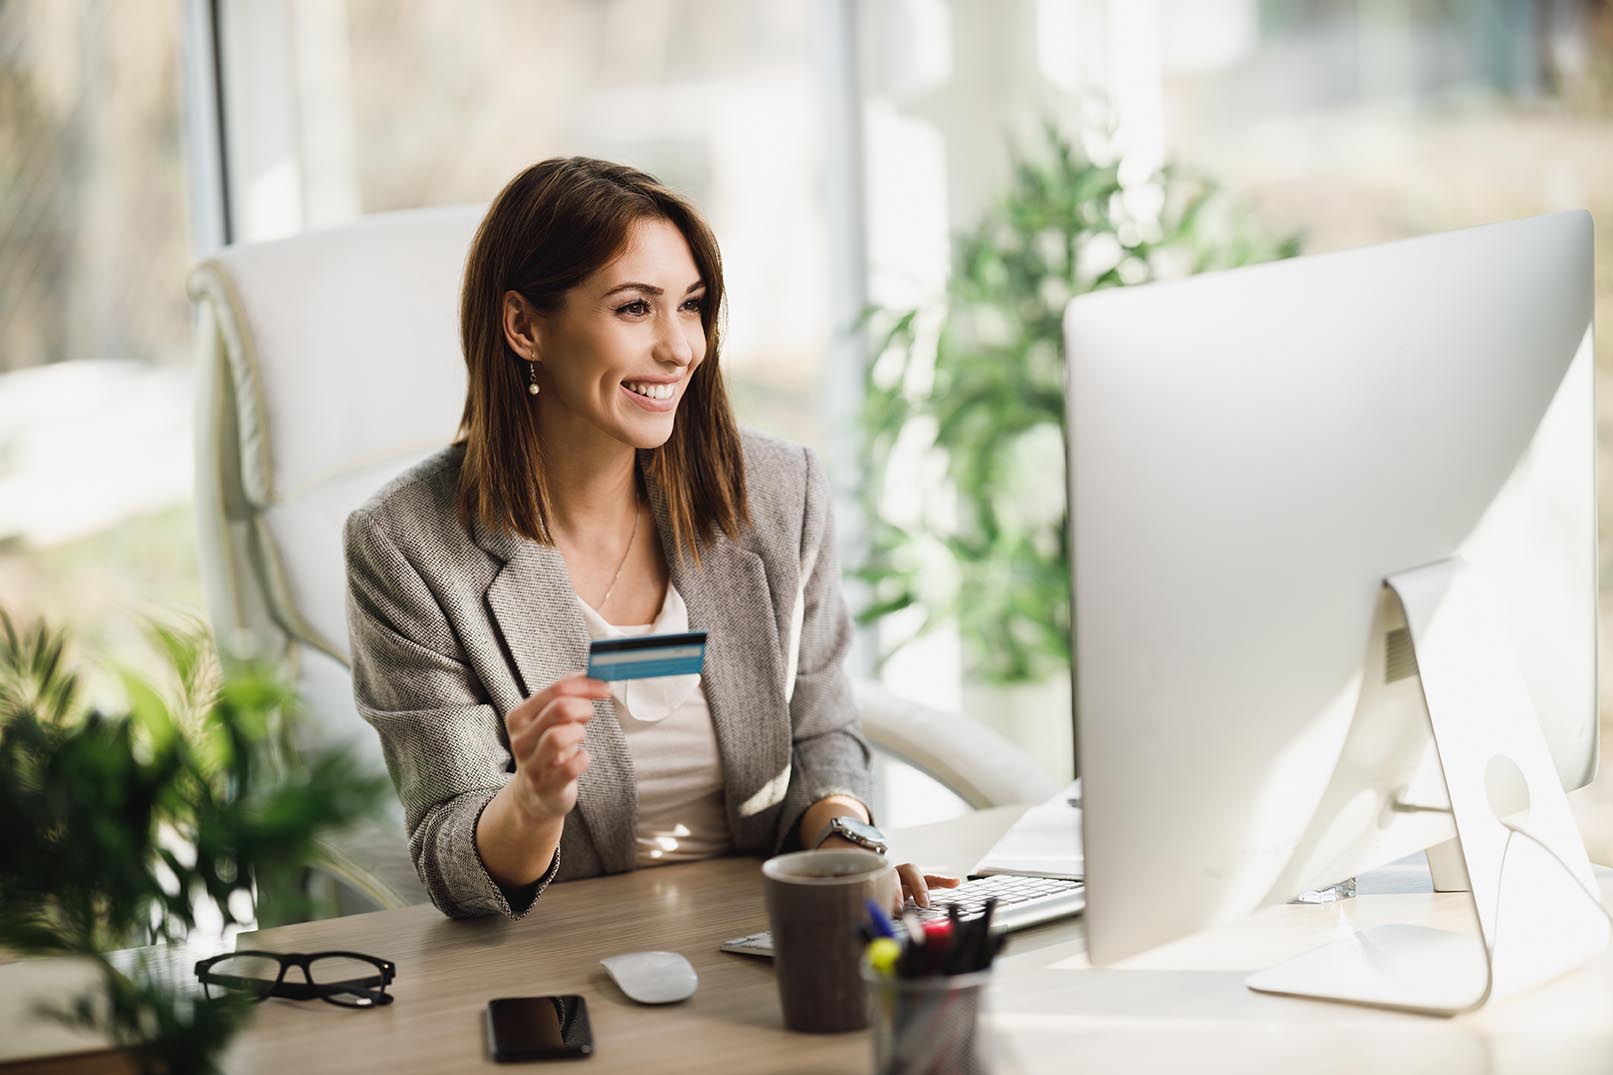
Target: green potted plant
{"x":119,"y":826}
{"x":970,"y":391}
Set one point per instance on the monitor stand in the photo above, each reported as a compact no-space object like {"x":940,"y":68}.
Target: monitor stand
{"x":1529,"y":880}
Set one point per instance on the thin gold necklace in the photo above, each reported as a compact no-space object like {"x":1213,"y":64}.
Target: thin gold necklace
{"x":600,"y":608}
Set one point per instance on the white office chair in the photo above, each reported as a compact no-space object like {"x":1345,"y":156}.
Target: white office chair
{"x":329,"y":362}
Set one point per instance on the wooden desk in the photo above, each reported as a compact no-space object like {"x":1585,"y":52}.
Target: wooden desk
{"x":448,"y":970}
{"x":1183,"y":1007}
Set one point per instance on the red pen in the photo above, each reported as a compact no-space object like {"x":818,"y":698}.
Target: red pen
{"x":937,"y":945}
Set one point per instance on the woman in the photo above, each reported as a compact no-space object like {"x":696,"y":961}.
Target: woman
{"x":599,"y":487}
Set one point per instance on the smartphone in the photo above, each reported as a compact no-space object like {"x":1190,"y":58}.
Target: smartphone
{"x":538,"y":1028}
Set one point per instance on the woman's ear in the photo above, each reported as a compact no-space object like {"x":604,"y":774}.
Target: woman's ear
{"x":521,"y":326}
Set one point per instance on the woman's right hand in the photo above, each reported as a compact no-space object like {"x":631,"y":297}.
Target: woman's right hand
{"x":546,"y":735}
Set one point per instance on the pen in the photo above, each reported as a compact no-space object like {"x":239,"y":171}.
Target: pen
{"x":982,"y":951}
{"x":960,"y":940}
{"x":914,"y":956}
{"x":966,"y":955}
{"x":937,"y":946}
{"x":882,"y":954}
{"x":876,"y":917}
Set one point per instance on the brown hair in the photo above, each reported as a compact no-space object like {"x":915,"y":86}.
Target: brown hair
{"x":549,"y":228}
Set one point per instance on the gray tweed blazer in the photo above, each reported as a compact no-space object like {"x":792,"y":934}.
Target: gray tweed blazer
{"x":451,"y":628}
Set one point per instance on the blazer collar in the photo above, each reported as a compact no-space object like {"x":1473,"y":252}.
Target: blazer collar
{"x":534,"y":608}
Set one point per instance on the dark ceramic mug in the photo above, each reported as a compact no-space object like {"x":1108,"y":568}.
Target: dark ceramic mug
{"x":815,"y":904}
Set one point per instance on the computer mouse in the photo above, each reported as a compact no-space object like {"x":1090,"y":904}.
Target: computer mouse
{"x":653,"y":977}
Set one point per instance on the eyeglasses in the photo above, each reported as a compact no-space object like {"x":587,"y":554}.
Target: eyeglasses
{"x":346,"y":979}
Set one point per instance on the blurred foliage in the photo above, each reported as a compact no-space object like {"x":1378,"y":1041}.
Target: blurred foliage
{"x":120,"y":826}
{"x":974,"y":390}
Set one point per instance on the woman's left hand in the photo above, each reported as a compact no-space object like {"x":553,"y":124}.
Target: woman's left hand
{"x":915,"y":883}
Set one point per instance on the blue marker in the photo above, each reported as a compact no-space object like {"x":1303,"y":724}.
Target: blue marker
{"x":882,"y":925}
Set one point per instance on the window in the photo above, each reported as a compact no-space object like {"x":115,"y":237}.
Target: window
{"x":95,"y":241}
{"x":363,"y":106}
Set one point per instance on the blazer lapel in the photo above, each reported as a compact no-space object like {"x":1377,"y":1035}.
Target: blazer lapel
{"x":727,"y":595}
{"x":534,"y":608}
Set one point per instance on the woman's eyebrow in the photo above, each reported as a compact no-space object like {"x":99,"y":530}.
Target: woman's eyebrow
{"x":650,"y":289}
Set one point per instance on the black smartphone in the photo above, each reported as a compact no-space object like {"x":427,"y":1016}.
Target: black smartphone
{"x":538,"y":1028}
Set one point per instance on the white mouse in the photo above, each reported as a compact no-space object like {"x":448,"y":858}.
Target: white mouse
{"x":653,"y":977}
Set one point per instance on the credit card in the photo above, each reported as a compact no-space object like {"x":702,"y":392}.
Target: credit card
{"x":647,"y":656}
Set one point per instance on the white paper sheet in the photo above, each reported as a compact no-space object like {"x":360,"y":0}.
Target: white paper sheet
{"x":1045,"y":842}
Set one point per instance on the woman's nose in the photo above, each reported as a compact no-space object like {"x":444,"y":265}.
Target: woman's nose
{"x":672,"y":343}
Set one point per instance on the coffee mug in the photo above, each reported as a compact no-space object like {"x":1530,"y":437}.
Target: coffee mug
{"x":816,"y":900}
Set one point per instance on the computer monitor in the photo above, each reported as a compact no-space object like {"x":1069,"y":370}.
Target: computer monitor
{"x":1295,"y":489}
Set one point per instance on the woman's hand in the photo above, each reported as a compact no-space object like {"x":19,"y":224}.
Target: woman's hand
{"x":546,"y":735}
{"x":915,"y":883}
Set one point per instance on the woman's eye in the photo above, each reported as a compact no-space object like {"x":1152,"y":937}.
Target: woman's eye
{"x":696,"y":304}
{"x":636,"y":307}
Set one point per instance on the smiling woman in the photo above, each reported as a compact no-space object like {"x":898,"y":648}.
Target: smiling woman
{"x":600,"y":488}
{"x":563,"y":289}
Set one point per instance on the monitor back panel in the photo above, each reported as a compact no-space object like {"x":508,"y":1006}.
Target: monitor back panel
{"x":1251,"y":453}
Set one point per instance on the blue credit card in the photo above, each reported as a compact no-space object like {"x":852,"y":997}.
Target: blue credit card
{"x":647,"y":656}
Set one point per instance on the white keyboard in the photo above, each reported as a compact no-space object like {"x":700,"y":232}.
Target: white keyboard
{"x":1021,"y":902}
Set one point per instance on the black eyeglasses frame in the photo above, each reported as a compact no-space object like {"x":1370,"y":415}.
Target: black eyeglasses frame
{"x":370,"y":991}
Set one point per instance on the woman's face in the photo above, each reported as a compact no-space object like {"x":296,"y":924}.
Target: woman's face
{"x":619,"y":354}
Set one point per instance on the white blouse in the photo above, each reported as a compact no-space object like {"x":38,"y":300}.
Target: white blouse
{"x":674,"y":750}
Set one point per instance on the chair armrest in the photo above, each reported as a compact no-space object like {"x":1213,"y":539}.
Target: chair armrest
{"x":373,"y":860}
{"x":977,"y":764}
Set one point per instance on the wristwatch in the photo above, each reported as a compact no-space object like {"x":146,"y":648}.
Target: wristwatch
{"x":854,"y":829}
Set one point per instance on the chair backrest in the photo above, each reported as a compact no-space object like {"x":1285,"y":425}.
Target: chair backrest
{"x":330,"y":362}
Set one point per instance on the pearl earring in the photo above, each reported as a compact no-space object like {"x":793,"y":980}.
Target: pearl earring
{"x":532,"y":372}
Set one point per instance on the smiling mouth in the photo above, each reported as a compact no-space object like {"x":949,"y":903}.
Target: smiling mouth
{"x":651,"y":391}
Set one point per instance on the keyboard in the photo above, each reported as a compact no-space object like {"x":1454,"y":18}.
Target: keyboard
{"x":1022,"y":902}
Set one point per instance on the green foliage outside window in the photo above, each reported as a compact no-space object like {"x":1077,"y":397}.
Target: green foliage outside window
{"x":974,"y":389}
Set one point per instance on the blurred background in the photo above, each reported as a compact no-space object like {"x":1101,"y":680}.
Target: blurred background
{"x":837,"y":147}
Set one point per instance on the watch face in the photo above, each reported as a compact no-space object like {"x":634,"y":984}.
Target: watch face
{"x":860,"y":831}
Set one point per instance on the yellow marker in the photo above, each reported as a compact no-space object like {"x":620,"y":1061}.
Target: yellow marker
{"x":882,"y":954}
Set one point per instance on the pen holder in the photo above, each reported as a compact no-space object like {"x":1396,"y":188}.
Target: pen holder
{"x":929,"y":1024}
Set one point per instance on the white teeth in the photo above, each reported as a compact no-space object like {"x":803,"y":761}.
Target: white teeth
{"x":653,"y":391}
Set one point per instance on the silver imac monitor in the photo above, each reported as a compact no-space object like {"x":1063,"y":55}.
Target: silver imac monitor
{"x":1333,"y":528}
